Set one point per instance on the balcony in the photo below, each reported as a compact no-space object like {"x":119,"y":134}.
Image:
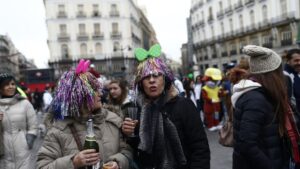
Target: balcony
{"x":62,"y":14}
{"x":63,"y":37}
{"x":238,"y":6}
{"x":249,"y":2}
{"x":96,"y":14}
{"x":220,"y":14}
{"x":228,"y":10}
{"x":98,"y":36}
{"x":114,"y":13}
{"x":81,"y":14}
{"x":286,"y":42}
{"x":82,"y":37}
{"x":116,"y":35}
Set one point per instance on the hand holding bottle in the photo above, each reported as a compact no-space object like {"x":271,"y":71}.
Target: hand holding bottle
{"x":86,"y":158}
{"x":128,"y":126}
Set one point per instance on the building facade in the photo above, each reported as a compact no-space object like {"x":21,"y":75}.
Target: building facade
{"x":104,"y":31}
{"x":220,"y":28}
{"x":11,"y":60}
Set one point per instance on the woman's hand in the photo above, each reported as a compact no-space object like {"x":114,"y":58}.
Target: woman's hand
{"x":86,"y":158}
{"x":111,"y":165}
{"x":128,"y":126}
{"x":1,"y":116}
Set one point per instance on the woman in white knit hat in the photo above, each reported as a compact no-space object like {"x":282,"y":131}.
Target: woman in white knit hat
{"x":259,"y":103}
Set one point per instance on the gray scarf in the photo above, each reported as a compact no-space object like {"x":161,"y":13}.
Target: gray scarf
{"x":159,"y":136}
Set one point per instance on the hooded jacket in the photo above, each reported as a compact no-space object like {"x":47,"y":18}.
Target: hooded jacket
{"x":19,"y":119}
{"x":60,"y":147}
{"x":257,"y":143}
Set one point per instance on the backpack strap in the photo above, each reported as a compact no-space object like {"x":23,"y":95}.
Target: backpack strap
{"x":75,"y":135}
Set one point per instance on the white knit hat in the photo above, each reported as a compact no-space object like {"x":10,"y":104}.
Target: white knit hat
{"x":262,"y":59}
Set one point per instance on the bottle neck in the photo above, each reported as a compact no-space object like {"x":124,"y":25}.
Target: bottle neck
{"x":90,"y":128}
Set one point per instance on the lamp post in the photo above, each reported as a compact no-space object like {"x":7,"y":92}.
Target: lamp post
{"x":125,"y":63}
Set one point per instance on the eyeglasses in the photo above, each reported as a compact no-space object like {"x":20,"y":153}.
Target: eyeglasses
{"x":153,"y":75}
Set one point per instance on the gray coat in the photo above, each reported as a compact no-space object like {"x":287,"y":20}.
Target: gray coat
{"x":19,"y":119}
{"x":60,"y":146}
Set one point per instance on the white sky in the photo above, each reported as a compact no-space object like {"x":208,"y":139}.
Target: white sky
{"x":24,"y":22}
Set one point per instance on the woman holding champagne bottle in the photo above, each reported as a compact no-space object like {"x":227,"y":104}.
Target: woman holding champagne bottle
{"x":84,"y":135}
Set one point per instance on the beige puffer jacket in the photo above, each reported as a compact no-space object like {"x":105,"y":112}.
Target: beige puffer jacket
{"x":60,"y":146}
{"x":19,"y":118}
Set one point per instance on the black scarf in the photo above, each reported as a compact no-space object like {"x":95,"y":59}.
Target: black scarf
{"x":159,"y":136}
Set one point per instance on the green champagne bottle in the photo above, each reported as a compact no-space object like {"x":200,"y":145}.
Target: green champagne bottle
{"x":90,"y":142}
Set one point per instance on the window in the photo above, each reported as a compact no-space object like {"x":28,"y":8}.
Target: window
{"x":212,"y":31}
{"x":83,"y":50}
{"x":61,"y":9}
{"x":210,"y":17}
{"x":116,"y":46}
{"x":202,"y":15}
{"x":265,"y":14}
{"x":81,"y":28}
{"x":80,"y":8}
{"x":287,"y":35}
{"x":229,"y":2}
{"x":115,"y":27}
{"x":241,"y":21}
{"x":252,"y":17}
{"x":283,"y":7}
{"x":231,"y":24}
{"x":96,"y":10}
{"x":221,"y":6}
{"x":98,"y":48}
{"x":97,"y":28}
{"x":222,"y":28}
{"x":63,"y":29}
{"x":64,"y":51}
{"x":113,"y":8}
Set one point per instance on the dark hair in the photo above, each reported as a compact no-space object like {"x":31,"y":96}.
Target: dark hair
{"x":274,"y":84}
{"x":124,"y":91}
{"x":291,"y":52}
{"x":5,"y":79}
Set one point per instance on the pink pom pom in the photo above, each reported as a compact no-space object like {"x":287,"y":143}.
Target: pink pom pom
{"x":86,"y":65}
{"x":79,"y":67}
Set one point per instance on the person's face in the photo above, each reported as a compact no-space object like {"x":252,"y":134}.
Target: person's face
{"x":295,"y":62}
{"x":114,"y":90}
{"x":9,"y":89}
{"x":97,"y":100}
{"x":153,"y":85}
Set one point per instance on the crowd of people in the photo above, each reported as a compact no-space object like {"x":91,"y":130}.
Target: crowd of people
{"x":159,"y":121}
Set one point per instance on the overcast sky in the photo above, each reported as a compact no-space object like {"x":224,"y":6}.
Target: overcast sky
{"x":24,"y":22}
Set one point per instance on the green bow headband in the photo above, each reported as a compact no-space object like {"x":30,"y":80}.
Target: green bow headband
{"x":141,"y":54}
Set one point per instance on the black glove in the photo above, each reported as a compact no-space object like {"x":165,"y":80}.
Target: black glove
{"x":30,"y":140}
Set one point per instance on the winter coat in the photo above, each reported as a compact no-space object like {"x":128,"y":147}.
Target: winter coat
{"x":183,"y":113}
{"x":257,"y":143}
{"x":59,"y":146}
{"x":295,"y":77}
{"x":19,"y":119}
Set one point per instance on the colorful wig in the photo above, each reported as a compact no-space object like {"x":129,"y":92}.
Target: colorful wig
{"x":151,"y":63}
{"x":75,"y":89}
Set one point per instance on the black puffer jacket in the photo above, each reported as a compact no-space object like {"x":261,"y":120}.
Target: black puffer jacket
{"x":257,"y":141}
{"x":182,"y":112}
